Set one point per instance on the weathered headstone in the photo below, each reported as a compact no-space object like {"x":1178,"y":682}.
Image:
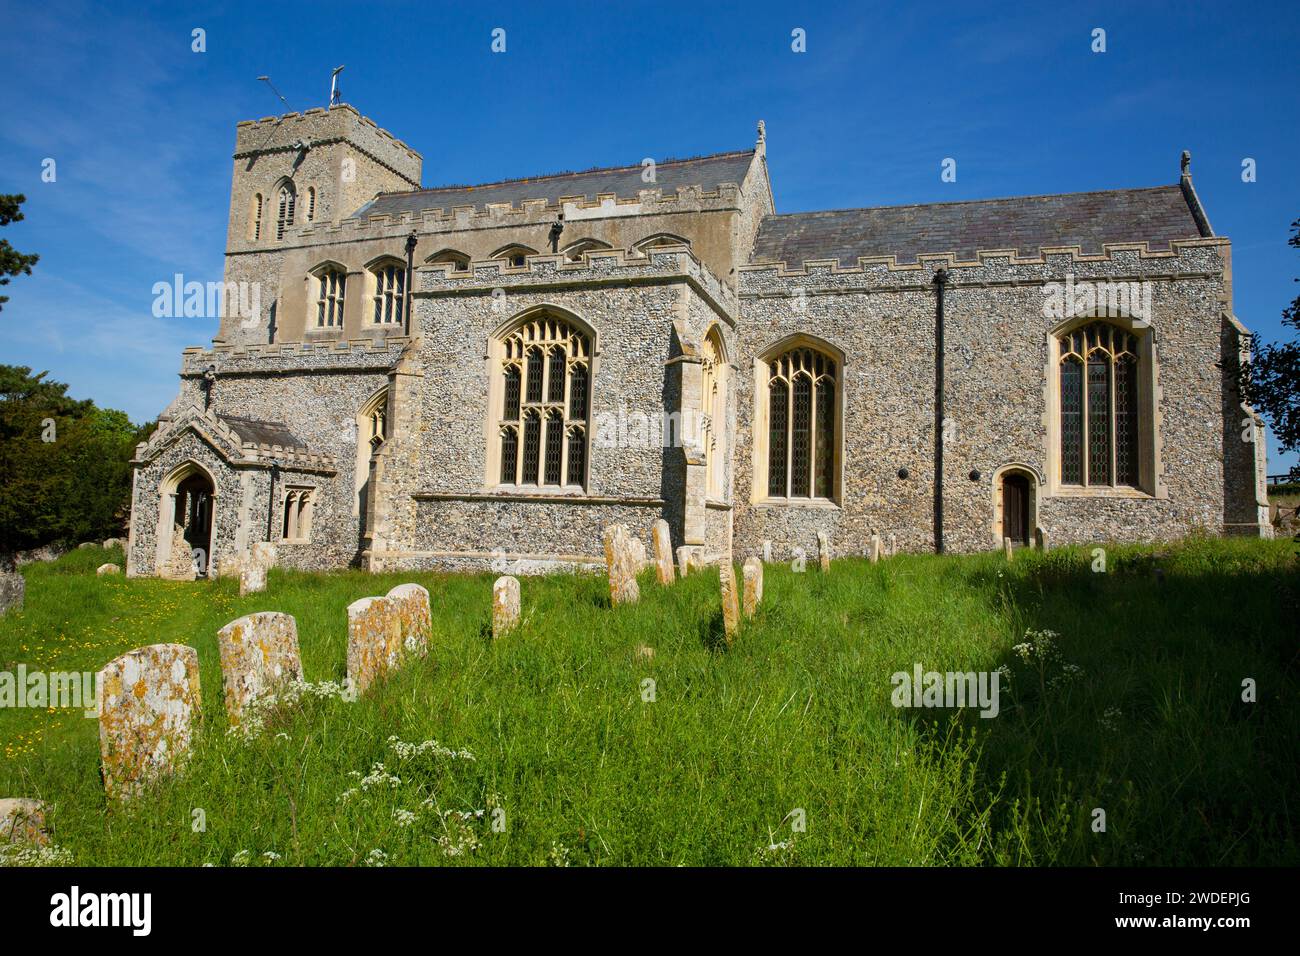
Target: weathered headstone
{"x":114,"y":543}
{"x":753,"y":574}
{"x":149,"y":701}
{"x":620,"y":563}
{"x":1006,"y":548}
{"x":893,"y":544}
{"x":684,"y":560}
{"x":505,"y":605}
{"x":824,"y":550}
{"x":638,"y":552}
{"x":1043,"y":542}
{"x":730,"y":599}
{"x":877,"y":551}
{"x":663,"y":545}
{"x":232,"y":564}
{"x":259,"y":653}
{"x":252,"y":579}
{"x":767,"y":552}
{"x":179,"y":565}
{"x":374,"y":640}
{"x":13,"y":587}
{"x":411,"y":603}
{"x":22,"y":820}
{"x":107,"y":569}
{"x":265,"y":554}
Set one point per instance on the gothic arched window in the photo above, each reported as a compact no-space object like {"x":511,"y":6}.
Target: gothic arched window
{"x":288,"y":199}
{"x":331,"y":283}
{"x":544,"y":389}
{"x":1099,"y":407}
{"x":390,"y":291}
{"x":801,"y":425}
{"x":255,"y":219}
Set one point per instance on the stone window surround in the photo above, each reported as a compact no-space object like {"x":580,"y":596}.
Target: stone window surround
{"x":366,"y":424}
{"x":1150,"y":485}
{"x":297,"y":504}
{"x":313,"y":297}
{"x":759,"y":431}
{"x":370,"y":290}
{"x":494,"y":360}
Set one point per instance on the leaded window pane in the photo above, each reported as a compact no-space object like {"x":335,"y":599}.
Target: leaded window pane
{"x":1072,"y":421}
{"x":777,"y":433}
{"x":1098,"y":419}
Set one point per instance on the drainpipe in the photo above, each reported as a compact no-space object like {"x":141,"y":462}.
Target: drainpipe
{"x":270,"y":502}
{"x":940,"y":284}
{"x":410,"y":270}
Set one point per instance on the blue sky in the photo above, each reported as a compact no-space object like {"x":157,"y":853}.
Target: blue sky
{"x":142,"y":128}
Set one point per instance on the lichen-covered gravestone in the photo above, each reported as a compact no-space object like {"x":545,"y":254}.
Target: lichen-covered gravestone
{"x":22,"y":820}
{"x":663,"y":545}
{"x":730,"y":599}
{"x":753,"y":574}
{"x":620,"y":563}
{"x":638,"y":552}
{"x":411,"y":604}
{"x":259,"y":654}
{"x":265,"y":554}
{"x":12,"y":588}
{"x":107,"y":569}
{"x":824,"y":550}
{"x":505,"y":605}
{"x":374,"y":640}
{"x":150,"y":701}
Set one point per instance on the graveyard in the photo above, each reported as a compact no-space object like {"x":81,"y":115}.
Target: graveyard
{"x":665,"y":714}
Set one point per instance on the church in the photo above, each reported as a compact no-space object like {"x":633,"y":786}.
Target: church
{"x":485,"y":377}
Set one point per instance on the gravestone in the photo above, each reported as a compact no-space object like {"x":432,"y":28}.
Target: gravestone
{"x":753,"y":574}
{"x":232,"y":565}
{"x":259,"y":653}
{"x":663,"y":545}
{"x":684,"y":560}
{"x":149,"y":702}
{"x":730,"y":599}
{"x":1006,"y":548}
{"x":505,"y":605}
{"x":893,"y":544}
{"x":265,"y":554}
{"x":411,"y":604}
{"x":179,"y":565}
{"x":13,"y":588}
{"x":107,"y":569}
{"x":824,"y":550}
{"x":620,"y":563}
{"x":114,"y":543}
{"x":22,"y":820}
{"x":638,"y":552}
{"x":767,"y":552}
{"x":252,"y":579}
{"x":1043,"y":542}
{"x":876,"y":549}
{"x":374,"y":640}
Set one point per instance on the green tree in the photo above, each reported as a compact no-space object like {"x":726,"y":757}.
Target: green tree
{"x":66,"y":463}
{"x":1271,"y":380}
{"x":12,"y":262}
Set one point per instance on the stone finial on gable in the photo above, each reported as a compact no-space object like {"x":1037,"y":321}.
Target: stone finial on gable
{"x":1186,"y":164}
{"x":761,"y":146}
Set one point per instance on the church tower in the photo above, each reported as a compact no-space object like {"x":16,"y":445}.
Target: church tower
{"x":299,"y":171}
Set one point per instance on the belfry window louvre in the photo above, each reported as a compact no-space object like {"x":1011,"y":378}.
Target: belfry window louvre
{"x":288,"y":199}
{"x":801,"y":425}
{"x":1099,"y":400}
{"x":545,"y":370}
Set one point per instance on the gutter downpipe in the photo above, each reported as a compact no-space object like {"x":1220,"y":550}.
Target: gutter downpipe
{"x":940,"y":284}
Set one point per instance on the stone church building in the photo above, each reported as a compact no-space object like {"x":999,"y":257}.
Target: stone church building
{"x":472,"y":377}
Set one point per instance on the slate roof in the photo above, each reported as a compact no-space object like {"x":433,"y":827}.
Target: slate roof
{"x":1027,"y":224}
{"x":263,"y":433}
{"x":625,"y":182}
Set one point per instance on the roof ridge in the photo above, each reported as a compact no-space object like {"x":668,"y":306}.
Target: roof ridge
{"x":566,"y":173}
{"x":969,"y":202}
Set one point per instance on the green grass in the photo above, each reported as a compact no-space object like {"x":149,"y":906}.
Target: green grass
{"x":794,"y":715}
